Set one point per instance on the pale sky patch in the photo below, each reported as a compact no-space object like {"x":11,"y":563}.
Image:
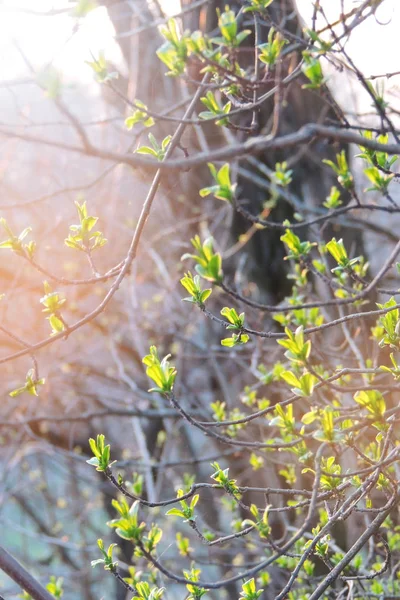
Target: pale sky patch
{"x":68,"y":43}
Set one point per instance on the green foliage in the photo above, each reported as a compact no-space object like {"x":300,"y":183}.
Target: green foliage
{"x":14,"y":242}
{"x":303,"y":385}
{"x":192,"y":285}
{"x":83,"y":8}
{"x":101,"y":459}
{"x":300,"y":317}
{"x":313,"y":71}
{"x":55,"y":586}
{"x":160,"y":372}
{"x":174,"y":51}
{"x":322,"y":546}
{"x":53,"y":304}
{"x":209,"y":264}
{"x":298,"y":350}
{"x":289,"y":474}
{"x":136,"y":485}
{"x":320,"y":46}
{"x":150,"y":540}
{"x":187,"y":510}
{"x":377,"y":92}
{"x":219,"y":412}
{"x":326,"y":431}
{"x":236,"y":323}
{"x":51,"y":300}
{"x":51,"y":81}
{"x":223,"y":190}
{"x":195,"y":592}
{"x":266,"y":377}
{"x":200,"y":45}
{"x":333,"y":200}
{"x":127,"y":525}
{"x":228,"y":25}
{"x":339,"y":253}
{"x":135,"y":577}
{"x":155,"y":149}
{"x":341,"y":168}
{"x":183,"y":545}
{"x":379,"y":180}
{"x":101,"y":70}
{"x":389,"y":325}
{"x":297,"y":249}
{"x":271,"y":51}
{"x":107,"y":560}
{"x":373,"y":401}
{"x":282,"y":175}
{"x":260,"y":522}
{"x":249,"y":591}
{"x":258,"y":6}
{"x":284,"y":419}
{"x":329,"y":469}
{"x":377,"y":158}
{"x":395,"y":371}
{"x":221,"y":476}
{"x":31,"y":385}
{"x":139,"y":115}
{"x":215,"y":110}
{"x":145,"y":592}
{"x":256,"y":462}
{"x":82,"y":237}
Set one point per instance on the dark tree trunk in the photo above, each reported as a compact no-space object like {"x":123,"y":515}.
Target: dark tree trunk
{"x":312,"y":180}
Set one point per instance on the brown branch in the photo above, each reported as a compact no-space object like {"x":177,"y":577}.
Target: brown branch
{"x":251,"y":146}
{"x":21,"y":577}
